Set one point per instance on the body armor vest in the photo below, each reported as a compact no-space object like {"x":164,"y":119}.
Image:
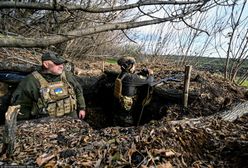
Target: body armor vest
{"x":125,"y":101}
{"x":57,"y":98}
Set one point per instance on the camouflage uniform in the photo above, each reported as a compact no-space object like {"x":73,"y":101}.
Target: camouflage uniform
{"x":133,"y":91}
{"x":42,"y":93}
{"x":28,"y":92}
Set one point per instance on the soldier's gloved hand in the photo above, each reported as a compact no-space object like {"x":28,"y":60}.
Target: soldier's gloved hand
{"x":81,"y":114}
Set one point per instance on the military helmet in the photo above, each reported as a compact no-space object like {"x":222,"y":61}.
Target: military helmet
{"x":126,"y":62}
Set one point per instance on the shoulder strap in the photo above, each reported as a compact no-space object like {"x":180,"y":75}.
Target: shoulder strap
{"x":64,"y":77}
{"x":43,"y":82}
{"x":118,"y":86}
{"x":123,"y":76}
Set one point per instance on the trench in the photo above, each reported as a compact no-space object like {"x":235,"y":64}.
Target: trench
{"x":98,"y":92}
{"x":100,"y":102}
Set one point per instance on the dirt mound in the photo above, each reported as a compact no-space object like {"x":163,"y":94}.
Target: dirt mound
{"x":208,"y":93}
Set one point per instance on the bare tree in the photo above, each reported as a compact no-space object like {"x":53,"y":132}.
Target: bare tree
{"x":235,"y":48}
{"x":54,"y":15}
{"x":183,"y":38}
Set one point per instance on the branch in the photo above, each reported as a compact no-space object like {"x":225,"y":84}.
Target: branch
{"x":197,"y":29}
{"x":147,"y":14}
{"x":45,"y":41}
{"x":71,"y":7}
{"x":229,"y":115}
{"x":128,"y":37}
{"x":7,"y":41}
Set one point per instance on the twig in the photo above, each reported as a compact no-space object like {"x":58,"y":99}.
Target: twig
{"x":149,"y":154}
{"x":22,"y":60}
{"x":128,"y":37}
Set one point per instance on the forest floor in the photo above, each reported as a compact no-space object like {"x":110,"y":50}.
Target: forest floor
{"x":66,"y":142}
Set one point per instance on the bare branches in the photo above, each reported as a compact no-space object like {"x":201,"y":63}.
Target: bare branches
{"x":6,"y":41}
{"x":128,"y":37}
{"x":60,"y":35}
{"x":235,"y":41}
{"x":69,"y":7}
{"x":197,"y":29}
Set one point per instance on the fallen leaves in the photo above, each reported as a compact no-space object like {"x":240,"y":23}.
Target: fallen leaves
{"x":44,"y":158}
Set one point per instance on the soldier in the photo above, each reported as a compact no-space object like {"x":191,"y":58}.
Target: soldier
{"x":48,"y":92}
{"x":52,"y":91}
{"x":129,"y":87}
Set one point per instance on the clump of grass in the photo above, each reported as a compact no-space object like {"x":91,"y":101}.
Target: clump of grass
{"x":245,"y":83}
{"x":111,"y":61}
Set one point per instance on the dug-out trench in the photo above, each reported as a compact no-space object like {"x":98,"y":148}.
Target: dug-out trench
{"x":98,"y":93}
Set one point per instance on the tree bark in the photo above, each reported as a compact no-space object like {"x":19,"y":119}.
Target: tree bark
{"x":230,"y":115}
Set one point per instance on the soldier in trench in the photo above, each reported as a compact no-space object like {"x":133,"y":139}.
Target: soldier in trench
{"x":52,"y":91}
{"x":132,"y":92}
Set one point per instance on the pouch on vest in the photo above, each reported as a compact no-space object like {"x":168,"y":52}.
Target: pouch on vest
{"x":73,"y":103}
{"x":45,"y":93}
{"x":51,"y":109}
{"x":126,"y":102}
{"x":118,"y":88}
{"x":67,"y":106}
{"x":60,"y":108}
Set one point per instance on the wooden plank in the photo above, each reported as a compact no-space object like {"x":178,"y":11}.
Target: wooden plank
{"x":186,"y":85}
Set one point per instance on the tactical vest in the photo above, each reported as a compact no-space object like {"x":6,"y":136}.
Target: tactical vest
{"x":57,"y":98}
{"x":125,"y":101}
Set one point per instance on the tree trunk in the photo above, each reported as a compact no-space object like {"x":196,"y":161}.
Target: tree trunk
{"x":230,"y":115}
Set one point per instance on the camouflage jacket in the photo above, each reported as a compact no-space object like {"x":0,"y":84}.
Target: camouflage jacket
{"x":28,"y":93}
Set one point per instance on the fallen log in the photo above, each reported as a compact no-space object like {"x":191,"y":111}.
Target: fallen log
{"x":229,"y":115}
{"x":11,"y":66}
{"x":236,"y":112}
{"x":172,"y":94}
